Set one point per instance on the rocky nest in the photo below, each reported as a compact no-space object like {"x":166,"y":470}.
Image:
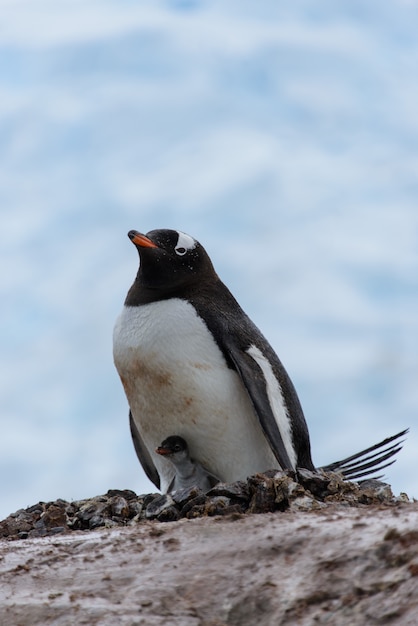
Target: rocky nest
{"x":300,"y":490}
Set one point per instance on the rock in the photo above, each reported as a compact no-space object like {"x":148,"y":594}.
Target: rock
{"x":119,"y":506}
{"x":195,"y":506}
{"x":162,"y":508}
{"x":128,"y":494}
{"x":55,"y":515}
{"x":181,"y":496}
{"x":238,"y":491}
{"x":92,"y":513}
{"x":315,"y":482}
{"x":306,"y":503}
{"x":376,"y":489}
{"x":345,"y":566}
{"x":286,"y":488}
{"x":262,"y":494}
{"x":217,"y":505}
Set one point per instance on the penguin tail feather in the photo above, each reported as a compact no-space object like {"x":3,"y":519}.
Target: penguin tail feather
{"x":368,"y":462}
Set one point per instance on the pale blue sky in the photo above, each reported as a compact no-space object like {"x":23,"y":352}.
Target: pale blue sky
{"x":284,"y":136}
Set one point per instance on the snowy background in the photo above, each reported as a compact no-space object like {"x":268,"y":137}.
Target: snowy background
{"x":283,"y":136}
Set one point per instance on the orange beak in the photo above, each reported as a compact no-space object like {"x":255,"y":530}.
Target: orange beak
{"x":141,"y":240}
{"x":163,"y":451}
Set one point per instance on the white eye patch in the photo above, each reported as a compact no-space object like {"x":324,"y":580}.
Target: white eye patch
{"x":184,"y":244}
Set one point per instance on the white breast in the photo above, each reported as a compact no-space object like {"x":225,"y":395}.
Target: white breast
{"x":177,"y":383}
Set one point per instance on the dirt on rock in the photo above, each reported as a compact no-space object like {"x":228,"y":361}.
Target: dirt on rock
{"x":313,"y":559}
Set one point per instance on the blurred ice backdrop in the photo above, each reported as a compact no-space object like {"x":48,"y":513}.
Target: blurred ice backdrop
{"x":282,"y":135}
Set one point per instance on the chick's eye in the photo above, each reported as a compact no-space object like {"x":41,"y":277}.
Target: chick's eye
{"x":180,"y":251}
{"x":177,"y":448}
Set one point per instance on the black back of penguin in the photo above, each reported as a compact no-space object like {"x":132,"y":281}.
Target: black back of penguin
{"x":176,"y":267}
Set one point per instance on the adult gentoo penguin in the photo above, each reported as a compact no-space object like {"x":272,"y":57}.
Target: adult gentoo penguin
{"x":193,"y":363}
{"x":187,"y":471}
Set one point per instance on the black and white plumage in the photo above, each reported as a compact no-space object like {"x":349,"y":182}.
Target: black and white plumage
{"x":193,"y":363}
{"x":187,"y":472}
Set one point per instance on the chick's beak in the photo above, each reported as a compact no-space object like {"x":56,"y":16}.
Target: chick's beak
{"x":163,"y":451}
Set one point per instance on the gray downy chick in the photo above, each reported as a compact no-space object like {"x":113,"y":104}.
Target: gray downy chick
{"x":188,"y":473}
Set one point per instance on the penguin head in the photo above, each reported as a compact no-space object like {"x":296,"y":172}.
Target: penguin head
{"x":170,"y":259}
{"x":175,"y":448}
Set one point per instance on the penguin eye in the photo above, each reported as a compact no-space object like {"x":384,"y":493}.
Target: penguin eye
{"x":180,"y":251}
{"x":177,"y":448}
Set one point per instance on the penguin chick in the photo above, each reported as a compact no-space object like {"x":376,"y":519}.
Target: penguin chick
{"x":188,"y":473}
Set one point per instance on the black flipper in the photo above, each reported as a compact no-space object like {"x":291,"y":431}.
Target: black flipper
{"x":143,"y":454}
{"x":235,"y":334}
{"x":365,"y":464}
{"x":254,"y":382}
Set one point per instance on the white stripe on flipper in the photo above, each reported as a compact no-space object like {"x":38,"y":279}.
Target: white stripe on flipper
{"x":277,"y":403}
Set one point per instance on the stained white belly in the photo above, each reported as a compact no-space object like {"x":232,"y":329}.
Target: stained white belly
{"x":177,"y":383}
